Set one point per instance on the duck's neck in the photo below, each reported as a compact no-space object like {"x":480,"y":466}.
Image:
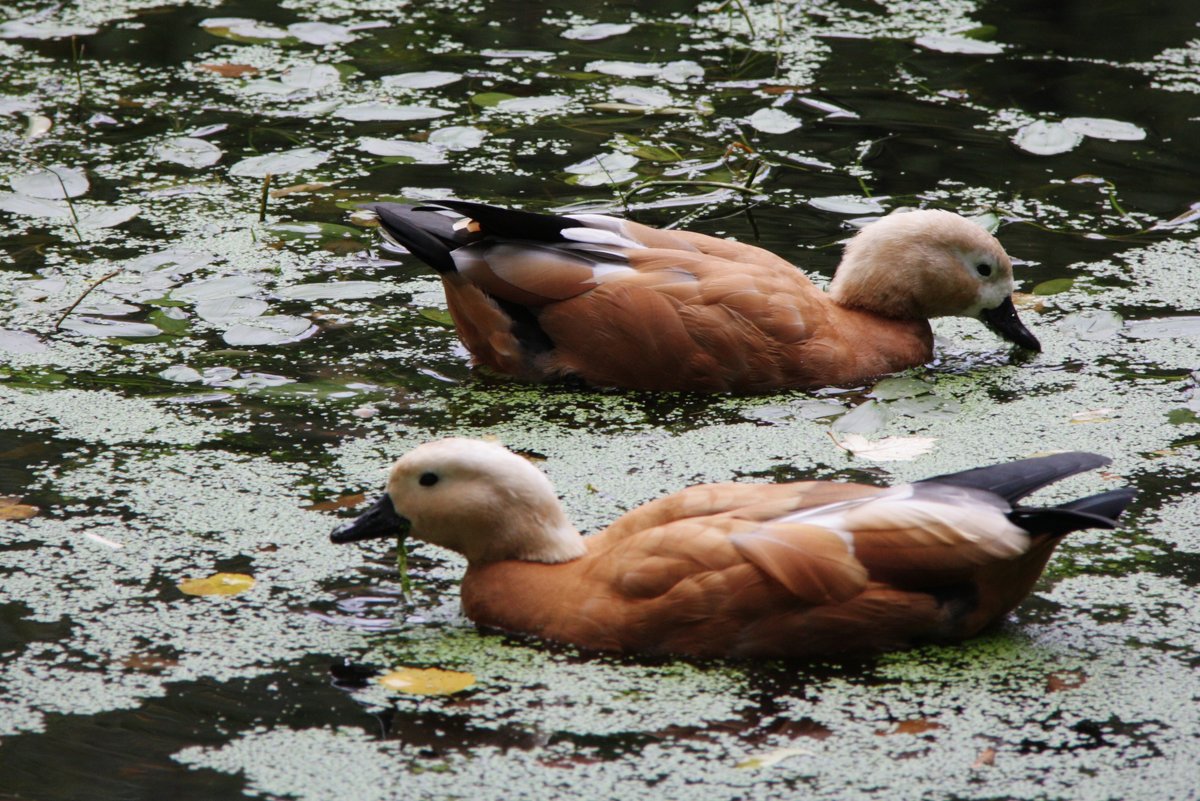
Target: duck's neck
{"x":529,"y":534}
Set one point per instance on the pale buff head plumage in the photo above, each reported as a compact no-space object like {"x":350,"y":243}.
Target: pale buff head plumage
{"x":923,"y":264}
{"x":483,"y":501}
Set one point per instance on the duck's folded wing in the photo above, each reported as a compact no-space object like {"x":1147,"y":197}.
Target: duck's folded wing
{"x":923,"y":535}
{"x":812,"y":563}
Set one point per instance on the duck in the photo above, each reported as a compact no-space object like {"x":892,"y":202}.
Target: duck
{"x":804,"y":570}
{"x":613,"y":303}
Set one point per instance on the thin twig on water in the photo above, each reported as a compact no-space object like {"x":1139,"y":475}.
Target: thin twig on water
{"x":86,"y":292}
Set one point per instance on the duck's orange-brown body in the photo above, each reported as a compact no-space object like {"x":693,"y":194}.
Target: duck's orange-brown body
{"x":803,"y":570}
{"x":616,"y":303}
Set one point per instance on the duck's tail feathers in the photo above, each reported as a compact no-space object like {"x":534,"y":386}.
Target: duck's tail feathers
{"x":1012,"y":481}
{"x":1094,"y":511}
{"x":425,"y":231}
{"x":430,"y":234}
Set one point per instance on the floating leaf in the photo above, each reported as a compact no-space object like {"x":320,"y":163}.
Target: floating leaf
{"x":593,"y":33}
{"x":1094,"y":416}
{"x":847,"y":204}
{"x":893,"y":388}
{"x":1092,"y":325}
{"x":100,"y":327}
{"x":181,"y":374}
{"x":340,"y":290}
{"x":106,"y":217}
{"x":217,"y":584}
{"x":320,"y":33}
{"x":281,"y":163}
{"x":1053,"y":286}
{"x":1164,"y":328}
{"x":533,"y":105}
{"x":439,"y":316}
{"x":419,"y":152}
{"x":772,"y":757}
{"x":53,"y":183}
{"x":230,"y":70}
{"x":1101,"y":128}
{"x":430,"y":681}
{"x":20,"y":342}
{"x":862,"y":419}
{"x":212,"y":288}
{"x":387,"y":112}
{"x":420,"y":80}
{"x":606,"y":168}
{"x":949,"y":43}
{"x":41,"y":29}
{"x":911,"y":726}
{"x":986,"y":757}
{"x":672,"y":72}
{"x":1046,"y":138}
{"x":188,"y":151}
{"x":311,"y":77}
{"x":457,"y":137}
{"x":888,"y":449}
{"x":490,"y":99}
{"x":773,"y":121}
{"x":33,"y":206}
{"x":242,"y":29}
{"x":1065,"y":680}
{"x":227,"y":310}
{"x":13,"y":509}
{"x":276,"y":329}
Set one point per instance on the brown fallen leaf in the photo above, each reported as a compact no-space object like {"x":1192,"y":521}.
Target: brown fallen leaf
{"x":1065,"y":680}
{"x":230,"y":70}
{"x":294,"y":189}
{"x":912,"y":726}
{"x":340,"y":502}
{"x":12,"y":509}
{"x":1029,"y":301}
{"x":986,"y":757}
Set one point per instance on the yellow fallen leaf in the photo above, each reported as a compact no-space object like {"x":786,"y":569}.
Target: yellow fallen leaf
{"x":888,"y":449}
{"x":772,"y":757}
{"x":1094,"y":416}
{"x":217,"y":584}
{"x":429,"y":681}
{"x":13,"y":509}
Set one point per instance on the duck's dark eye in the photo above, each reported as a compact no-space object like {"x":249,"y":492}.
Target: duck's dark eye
{"x":428,"y":479}
{"x":983,"y":269}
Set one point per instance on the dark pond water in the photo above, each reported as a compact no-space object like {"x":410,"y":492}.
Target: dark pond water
{"x":230,"y":384}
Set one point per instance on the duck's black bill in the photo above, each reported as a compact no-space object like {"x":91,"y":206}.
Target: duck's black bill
{"x":1004,"y":321}
{"x":380,"y":520}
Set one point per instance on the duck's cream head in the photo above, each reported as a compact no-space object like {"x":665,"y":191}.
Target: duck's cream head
{"x":473,"y":497}
{"x":930,"y":263}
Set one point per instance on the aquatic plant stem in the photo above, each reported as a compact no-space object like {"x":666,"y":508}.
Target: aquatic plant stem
{"x":66,"y":195}
{"x":79,"y":299}
{"x":262,"y":202}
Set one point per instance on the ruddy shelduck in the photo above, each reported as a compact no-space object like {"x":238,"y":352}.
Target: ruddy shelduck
{"x":620,"y":304}
{"x":802,"y":570}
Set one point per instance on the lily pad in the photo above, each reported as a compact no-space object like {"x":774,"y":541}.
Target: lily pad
{"x":419,"y":152}
{"x":387,"y":112}
{"x":228,"y":310}
{"x":188,"y":151}
{"x":340,"y":290}
{"x":1046,"y":138}
{"x":1102,"y":128}
{"x":429,"y":681}
{"x":888,"y":449}
{"x":281,"y":163}
{"x":33,"y":206}
{"x":1053,"y":286}
{"x":210,"y":288}
{"x":320,"y":33}
{"x":42,"y":29}
{"x":1092,"y":325}
{"x":20,"y":342}
{"x":862,"y":419}
{"x":52,"y":183}
{"x":240,"y":28}
{"x":847,"y":204}
{"x":420,"y":80}
{"x":106,"y":217}
{"x":607,"y":168}
{"x":458,"y":137}
{"x":276,"y":329}
{"x":594,"y":33}
{"x":311,"y":77}
{"x":101,"y":327}
{"x":773,"y":121}
{"x":1164,"y":328}
{"x":949,"y":43}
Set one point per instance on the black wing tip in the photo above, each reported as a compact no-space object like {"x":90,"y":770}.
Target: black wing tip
{"x":1102,"y":510}
{"x":1014,"y":480}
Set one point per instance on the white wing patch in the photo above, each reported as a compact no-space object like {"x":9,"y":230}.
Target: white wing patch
{"x":600,"y":236}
